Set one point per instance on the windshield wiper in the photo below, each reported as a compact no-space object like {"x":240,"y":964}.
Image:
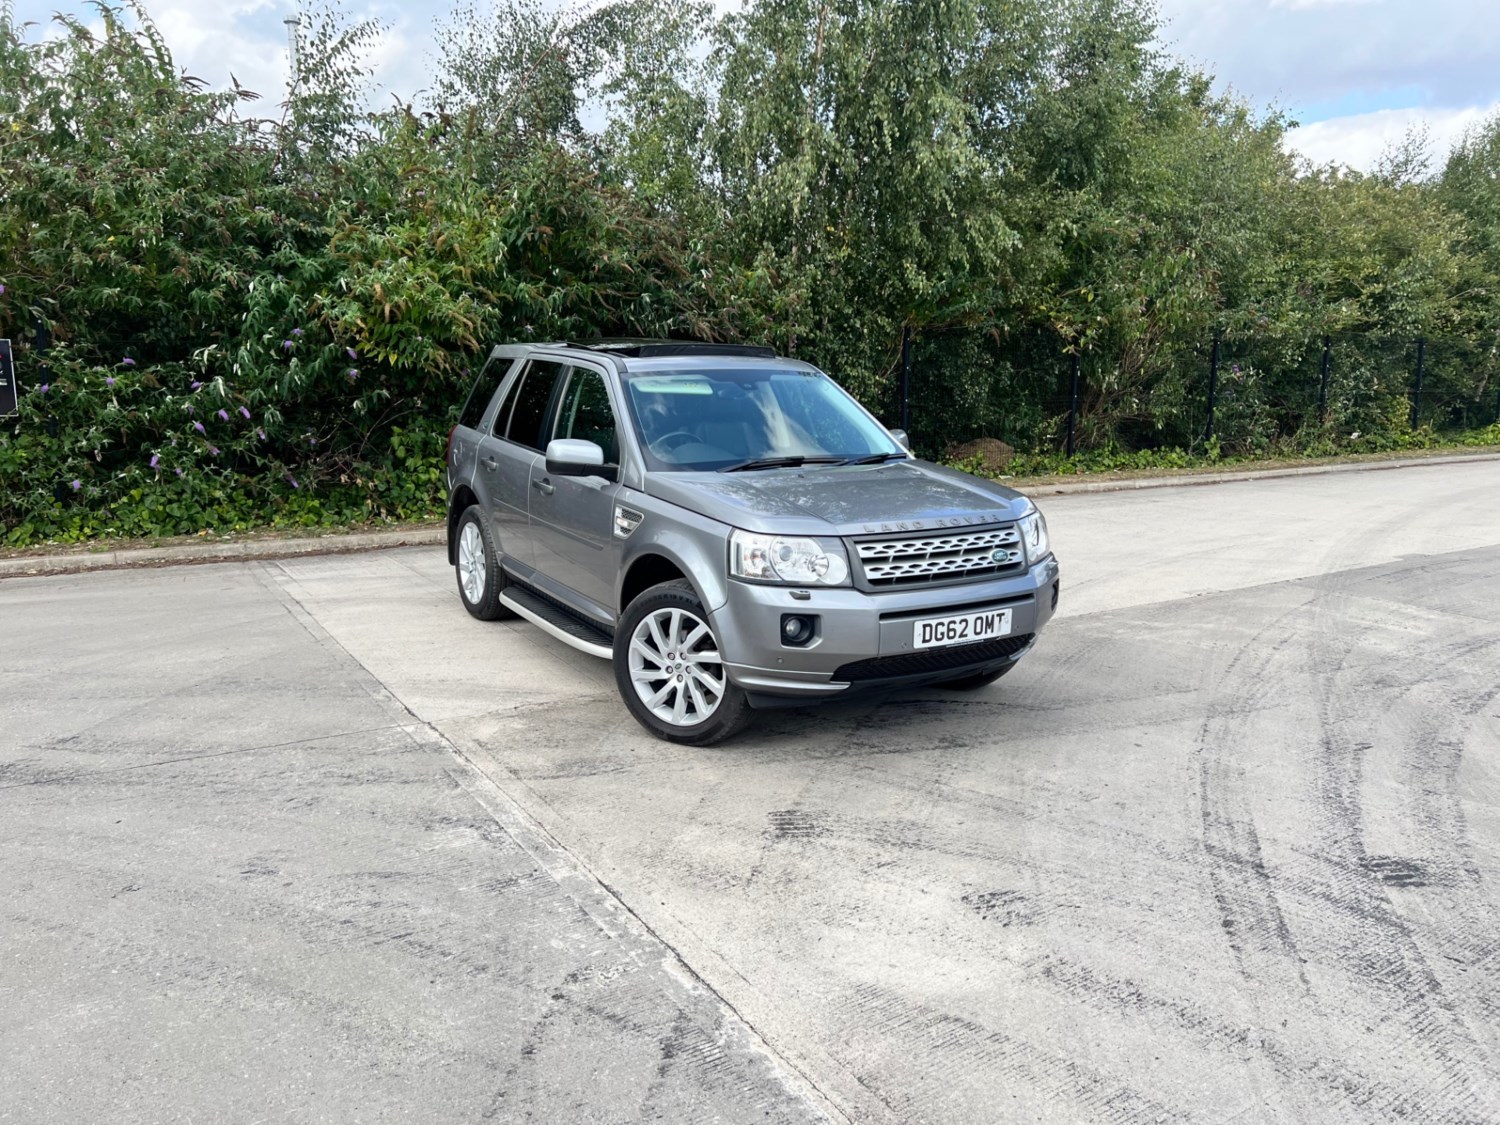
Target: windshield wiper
{"x":873,"y":459}
{"x":779,"y":463}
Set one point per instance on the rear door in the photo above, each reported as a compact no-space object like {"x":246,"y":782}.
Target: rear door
{"x":463,"y":449}
{"x":572,"y":518}
{"x":507,"y":454}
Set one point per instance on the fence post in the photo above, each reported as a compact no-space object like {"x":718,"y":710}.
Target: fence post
{"x":1323,"y":384}
{"x":43,"y":341}
{"x":1073,"y":406}
{"x":1416,"y":396}
{"x":1213,"y":387}
{"x":906,"y":380}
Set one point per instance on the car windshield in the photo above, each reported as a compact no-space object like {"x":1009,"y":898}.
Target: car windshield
{"x":692,"y":420}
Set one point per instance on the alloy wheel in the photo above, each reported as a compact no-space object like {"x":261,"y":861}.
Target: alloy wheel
{"x":676,"y":668}
{"x":472,"y":564}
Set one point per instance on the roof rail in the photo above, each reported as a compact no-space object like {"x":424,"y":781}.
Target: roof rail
{"x":642,"y":349}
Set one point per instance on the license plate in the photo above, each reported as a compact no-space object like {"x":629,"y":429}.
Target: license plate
{"x":961,"y":628}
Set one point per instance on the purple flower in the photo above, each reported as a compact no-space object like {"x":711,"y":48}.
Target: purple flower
{"x":178,"y":472}
{"x":297,"y":332}
{"x":245,"y":410}
{"x":199,"y":427}
{"x":352,"y":354}
{"x":353,"y":374}
{"x":190,"y":408}
{"x":312,"y":441}
{"x":223,"y":415}
{"x":292,"y":480}
{"x":76,"y":484}
{"x":44,"y":388}
{"x":128,"y":362}
{"x":2,"y":290}
{"x":214,"y":449}
{"x":195,"y":384}
{"x":1235,"y":367}
{"x":287,"y":345}
{"x":262,"y":434}
{"x":109,"y":380}
{"x":155,"y":460}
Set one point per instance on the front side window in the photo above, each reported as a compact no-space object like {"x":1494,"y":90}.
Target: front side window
{"x":586,"y":414}
{"x":538,"y":383}
{"x":700,"y":420}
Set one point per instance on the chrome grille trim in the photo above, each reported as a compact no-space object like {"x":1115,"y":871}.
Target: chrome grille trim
{"x":911,"y":560}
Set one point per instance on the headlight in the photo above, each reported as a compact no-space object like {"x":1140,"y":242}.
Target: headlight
{"x":797,"y":562}
{"x":1034,"y":536}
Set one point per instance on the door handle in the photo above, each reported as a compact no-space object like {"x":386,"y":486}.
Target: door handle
{"x":544,"y":486}
{"x":490,"y":463}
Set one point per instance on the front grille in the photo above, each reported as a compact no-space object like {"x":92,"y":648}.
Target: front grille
{"x":931,"y":660}
{"x":915,"y":560}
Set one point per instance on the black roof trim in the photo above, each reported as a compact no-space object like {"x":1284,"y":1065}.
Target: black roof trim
{"x":644,"y":349}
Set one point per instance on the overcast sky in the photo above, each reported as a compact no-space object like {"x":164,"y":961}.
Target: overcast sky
{"x":1356,"y":73}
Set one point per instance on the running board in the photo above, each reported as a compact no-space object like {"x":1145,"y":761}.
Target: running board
{"x":552,"y":618}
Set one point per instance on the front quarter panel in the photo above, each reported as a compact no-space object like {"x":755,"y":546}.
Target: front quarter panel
{"x":695,"y":544}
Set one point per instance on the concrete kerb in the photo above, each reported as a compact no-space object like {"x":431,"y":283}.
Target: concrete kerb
{"x":238,"y":550}
{"x":1126,"y":484}
{"x":228,"y":551}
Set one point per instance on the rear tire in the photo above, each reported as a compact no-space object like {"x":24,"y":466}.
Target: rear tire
{"x":480,"y":578}
{"x":670,"y":671}
{"x":983,"y":679}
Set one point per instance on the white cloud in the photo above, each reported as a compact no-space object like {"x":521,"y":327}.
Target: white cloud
{"x":1306,"y":54}
{"x":238,"y":37}
{"x":1360,"y":139}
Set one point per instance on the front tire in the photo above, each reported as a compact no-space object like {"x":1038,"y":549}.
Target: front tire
{"x":480,"y":578}
{"x":670,"y":671}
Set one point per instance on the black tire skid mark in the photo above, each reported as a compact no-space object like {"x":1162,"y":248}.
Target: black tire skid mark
{"x":1245,"y":892}
{"x":943,"y":1055}
{"x":1462,"y":922}
{"x":1242,"y":888}
{"x":1351,"y":1086}
{"x":623,"y":1002}
{"x":1381,"y":951}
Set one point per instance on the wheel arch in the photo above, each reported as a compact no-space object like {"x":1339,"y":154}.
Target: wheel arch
{"x":462,"y":499}
{"x":654,"y":565}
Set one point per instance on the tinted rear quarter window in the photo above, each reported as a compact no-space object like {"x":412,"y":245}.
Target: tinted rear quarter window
{"x":491,"y":375}
{"x":531,"y":402}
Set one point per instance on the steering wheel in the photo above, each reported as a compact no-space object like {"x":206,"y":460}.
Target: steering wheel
{"x":661,"y":445}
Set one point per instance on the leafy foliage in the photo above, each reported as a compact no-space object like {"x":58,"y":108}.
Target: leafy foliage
{"x":267,"y":314}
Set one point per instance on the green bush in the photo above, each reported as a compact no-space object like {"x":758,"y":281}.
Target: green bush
{"x":267,"y":317}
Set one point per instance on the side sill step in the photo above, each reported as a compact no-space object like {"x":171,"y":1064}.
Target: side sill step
{"x":553,"y":619}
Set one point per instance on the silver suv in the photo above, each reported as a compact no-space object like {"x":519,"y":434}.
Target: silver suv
{"x":733,"y":531}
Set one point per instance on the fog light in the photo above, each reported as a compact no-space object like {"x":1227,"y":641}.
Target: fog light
{"x":797,"y":629}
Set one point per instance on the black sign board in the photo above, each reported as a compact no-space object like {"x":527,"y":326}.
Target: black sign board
{"x":8,"y":391}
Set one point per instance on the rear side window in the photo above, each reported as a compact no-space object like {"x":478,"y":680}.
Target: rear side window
{"x":490,"y":378}
{"x":537,"y":386}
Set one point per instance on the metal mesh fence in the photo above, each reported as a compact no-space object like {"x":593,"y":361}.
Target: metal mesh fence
{"x":1257,"y":393}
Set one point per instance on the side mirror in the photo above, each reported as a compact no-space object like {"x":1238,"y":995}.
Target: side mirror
{"x":901,"y":439}
{"x":572,"y":457}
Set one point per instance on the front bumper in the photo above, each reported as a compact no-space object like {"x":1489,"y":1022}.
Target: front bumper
{"x":865,"y":639}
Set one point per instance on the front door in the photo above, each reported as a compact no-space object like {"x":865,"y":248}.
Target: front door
{"x":572,"y":518}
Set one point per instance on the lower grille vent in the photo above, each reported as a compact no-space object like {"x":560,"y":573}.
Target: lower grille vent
{"x":931,"y":660}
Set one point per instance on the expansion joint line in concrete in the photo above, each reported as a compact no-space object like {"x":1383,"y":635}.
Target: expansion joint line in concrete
{"x":596,"y":898}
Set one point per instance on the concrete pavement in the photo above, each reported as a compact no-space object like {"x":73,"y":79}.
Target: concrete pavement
{"x":301,"y":838}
